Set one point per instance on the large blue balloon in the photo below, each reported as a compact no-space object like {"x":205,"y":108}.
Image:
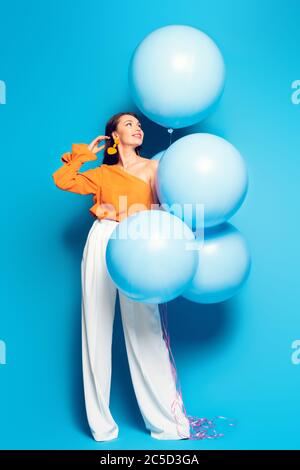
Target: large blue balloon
{"x":149,"y":256}
{"x":224,"y":265}
{"x":202,"y":175}
{"x":176,"y":76}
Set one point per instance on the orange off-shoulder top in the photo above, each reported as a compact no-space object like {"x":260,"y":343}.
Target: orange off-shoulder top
{"x":116,"y":192}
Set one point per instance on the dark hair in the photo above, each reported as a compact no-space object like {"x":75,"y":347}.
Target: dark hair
{"x":110,"y":127}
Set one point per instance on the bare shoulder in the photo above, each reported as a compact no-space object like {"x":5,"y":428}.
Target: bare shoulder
{"x":154,"y":163}
{"x":154,"y":166}
{"x":150,"y":163}
{"x":150,"y":167}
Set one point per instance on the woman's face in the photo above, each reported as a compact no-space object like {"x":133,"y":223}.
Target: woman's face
{"x":129,"y":131}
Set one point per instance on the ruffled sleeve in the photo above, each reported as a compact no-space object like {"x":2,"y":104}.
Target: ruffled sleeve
{"x":68,"y":178}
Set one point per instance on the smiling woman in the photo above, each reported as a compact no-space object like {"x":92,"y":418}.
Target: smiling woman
{"x":127,"y":175}
{"x":126,"y":129}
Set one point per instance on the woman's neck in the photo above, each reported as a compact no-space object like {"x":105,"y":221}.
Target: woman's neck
{"x":127,"y":157}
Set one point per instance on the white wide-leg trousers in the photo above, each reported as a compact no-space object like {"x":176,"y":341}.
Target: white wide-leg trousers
{"x":148,"y":354}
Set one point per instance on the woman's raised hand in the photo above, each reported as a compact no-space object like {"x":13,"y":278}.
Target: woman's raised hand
{"x":93,"y":145}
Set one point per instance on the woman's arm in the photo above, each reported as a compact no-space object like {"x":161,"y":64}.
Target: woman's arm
{"x":67,"y":176}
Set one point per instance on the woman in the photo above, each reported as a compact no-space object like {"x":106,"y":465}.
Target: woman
{"x":124,"y":173}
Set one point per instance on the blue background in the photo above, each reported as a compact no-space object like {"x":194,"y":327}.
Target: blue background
{"x":65,"y":65}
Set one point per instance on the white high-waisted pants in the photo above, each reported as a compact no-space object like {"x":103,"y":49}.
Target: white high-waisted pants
{"x":147,"y":352}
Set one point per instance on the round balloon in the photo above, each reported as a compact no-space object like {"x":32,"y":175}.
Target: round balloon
{"x":176,"y":75}
{"x":202,"y":178}
{"x":223,"y":267}
{"x":149,"y":256}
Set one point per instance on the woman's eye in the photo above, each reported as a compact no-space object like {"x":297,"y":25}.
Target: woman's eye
{"x":131,"y":124}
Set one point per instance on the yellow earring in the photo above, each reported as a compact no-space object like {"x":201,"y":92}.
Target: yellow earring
{"x":112,"y":150}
